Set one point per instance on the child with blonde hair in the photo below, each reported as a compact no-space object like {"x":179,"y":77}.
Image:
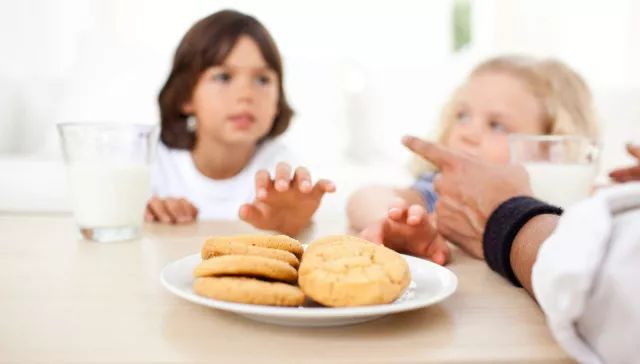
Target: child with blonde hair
{"x":503,"y":95}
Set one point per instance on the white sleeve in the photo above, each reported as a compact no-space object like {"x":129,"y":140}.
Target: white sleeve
{"x":586,"y":277}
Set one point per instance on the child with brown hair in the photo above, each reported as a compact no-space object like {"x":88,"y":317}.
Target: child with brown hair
{"x":222,"y":108}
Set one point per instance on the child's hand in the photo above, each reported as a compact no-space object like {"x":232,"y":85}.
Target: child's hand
{"x":285,"y":204}
{"x":170,"y":211}
{"x":409,"y":230}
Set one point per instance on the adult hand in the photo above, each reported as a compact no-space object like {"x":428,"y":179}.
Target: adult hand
{"x":468,"y":192}
{"x":630,"y":173}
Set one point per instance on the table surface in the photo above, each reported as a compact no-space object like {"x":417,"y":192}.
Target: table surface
{"x":69,"y":300}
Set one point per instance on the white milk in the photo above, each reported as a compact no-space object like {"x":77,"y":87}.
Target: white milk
{"x":108,"y":196}
{"x":561,"y":184}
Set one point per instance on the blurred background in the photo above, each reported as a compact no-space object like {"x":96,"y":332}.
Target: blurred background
{"x":360,"y":74}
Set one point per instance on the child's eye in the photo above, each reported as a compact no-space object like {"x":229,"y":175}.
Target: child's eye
{"x":463,"y":117}
{"x":222,"y":77}
{"x":263,"y":80}
{"x":497,"y":126}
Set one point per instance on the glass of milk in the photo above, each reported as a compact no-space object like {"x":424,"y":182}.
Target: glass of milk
{"x":562,"y":168}
{"x":108,"y":173}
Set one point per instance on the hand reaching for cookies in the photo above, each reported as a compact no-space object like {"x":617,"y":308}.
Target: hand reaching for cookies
{"x":285,"y":203}
{"x":170,"y":211}
{"x":409,"y":229}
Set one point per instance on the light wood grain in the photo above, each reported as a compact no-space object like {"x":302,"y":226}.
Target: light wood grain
{"x":68,"y":300}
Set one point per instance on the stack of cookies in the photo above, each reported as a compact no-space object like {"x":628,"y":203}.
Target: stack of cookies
{"x":336,"y":271}
{"x":251,"y":269}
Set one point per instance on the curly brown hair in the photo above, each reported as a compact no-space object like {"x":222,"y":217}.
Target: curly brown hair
{"x":207,"y":44}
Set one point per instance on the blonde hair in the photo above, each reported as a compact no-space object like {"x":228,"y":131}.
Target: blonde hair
{"x":567,"y":103}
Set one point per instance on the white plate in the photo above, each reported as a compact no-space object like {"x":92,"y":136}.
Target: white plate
{"x":430,"y":284}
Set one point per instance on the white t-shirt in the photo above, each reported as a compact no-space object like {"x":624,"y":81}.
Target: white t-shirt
{"x":175,"y":175}
{"x":587,"y":277}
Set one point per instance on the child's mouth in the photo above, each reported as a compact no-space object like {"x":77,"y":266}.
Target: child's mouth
{"x":242,"y":120}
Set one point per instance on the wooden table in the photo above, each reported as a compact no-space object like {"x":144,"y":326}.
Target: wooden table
{"x":68,"y":300}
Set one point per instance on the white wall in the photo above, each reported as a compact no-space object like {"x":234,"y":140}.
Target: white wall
{"x":105,"y":60}
{"x":359,"y":73}
{"x":600,"y":39}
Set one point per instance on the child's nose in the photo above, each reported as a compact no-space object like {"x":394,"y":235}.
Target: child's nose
{"x":245,"y":91}
{"x":472,"y":134}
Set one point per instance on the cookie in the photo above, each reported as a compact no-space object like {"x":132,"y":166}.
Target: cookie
{"x":331,"y":239}
{"x":344,"y":270}
{"x":246,"y":265}
{"x":249,"y":290}
{"x":281,"y":242}
{"x":217,"y":248}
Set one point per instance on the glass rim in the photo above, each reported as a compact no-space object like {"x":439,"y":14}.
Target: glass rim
{"x":550,"y":137}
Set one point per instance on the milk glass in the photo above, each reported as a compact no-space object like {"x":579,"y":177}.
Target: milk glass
{"x":108,"y":169}
{"x":562,"y":168}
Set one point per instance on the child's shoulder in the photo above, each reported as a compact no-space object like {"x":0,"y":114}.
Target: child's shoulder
{"x":172,"y":158}
{"x":164,"y":150}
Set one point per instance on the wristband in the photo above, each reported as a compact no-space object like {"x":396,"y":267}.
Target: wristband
{"x":503,"y":226}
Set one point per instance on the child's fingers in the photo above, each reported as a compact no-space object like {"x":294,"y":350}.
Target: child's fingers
{"x":439,"y":251}
{"x":283,"y":177}
{"x":327,"y":185}
{"x":157,"y":208}
{"x":415,"y":215}
{"x":174,"y":209}
{"x":393,"y":235}
{"x":397,"y":209}
{"x":251,"y":214}
{"x":438,"y":258}
{"x":263,"y":184}
{"x":323,"y":186}
{"x":302,"y":178}
{"x":188,"y":212}
{"x":192,"y":209}
{"x":148,"y":215}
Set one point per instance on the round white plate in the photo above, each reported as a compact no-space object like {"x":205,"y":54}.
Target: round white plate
{"x":430,"y":283}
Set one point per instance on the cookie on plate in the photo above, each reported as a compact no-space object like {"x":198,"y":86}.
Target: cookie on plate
{"x":344,"y":270}
{"x":246,"y":265}
{"x":249,"y":290}
{"x":281,"y":242}
{"x":215,"y":248}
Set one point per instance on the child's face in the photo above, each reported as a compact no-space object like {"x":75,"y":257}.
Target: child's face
{"x":235,"y":102}
{"x":490,"y":106}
